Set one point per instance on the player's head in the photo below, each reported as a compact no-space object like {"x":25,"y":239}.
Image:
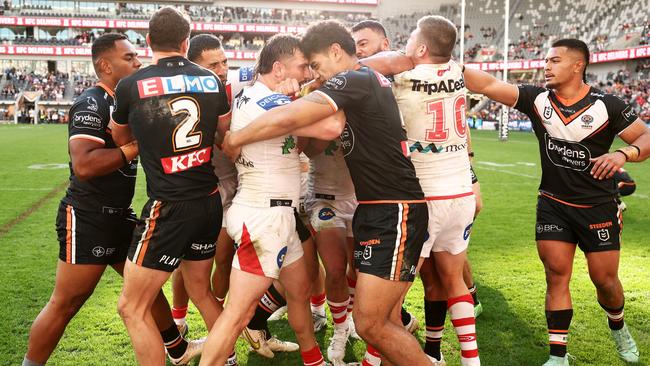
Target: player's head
{"x":169,"y":31}
{"x":206,"y":51}
{"x":370,"y":38}
{"x":329,"y":46}
{"x":114,"y":56}
{"x":434,"y":36}
{"x":282,"y":58}
{"x":566,"y":61}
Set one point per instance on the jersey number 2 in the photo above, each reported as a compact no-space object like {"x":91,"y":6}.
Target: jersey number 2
{"x":440,"y":132}
{"x":184,"y":135}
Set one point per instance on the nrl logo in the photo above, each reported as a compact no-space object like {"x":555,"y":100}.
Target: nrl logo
{"x":603,"y":234}
{"x":586,"y":121}
{"x":548,"y":112}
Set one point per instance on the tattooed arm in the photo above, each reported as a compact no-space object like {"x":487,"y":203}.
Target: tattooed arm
{"x":296,"y":117}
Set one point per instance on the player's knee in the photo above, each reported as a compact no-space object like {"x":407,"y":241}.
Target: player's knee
{"x":605,"y":282}
{"x":366,"y":327}
{"x":70,"y":305}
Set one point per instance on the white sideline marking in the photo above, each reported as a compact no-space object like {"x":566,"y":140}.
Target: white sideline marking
{"x":48,"y":166}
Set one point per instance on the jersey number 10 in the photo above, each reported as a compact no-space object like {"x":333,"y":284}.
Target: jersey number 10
{"x":440,"y":131}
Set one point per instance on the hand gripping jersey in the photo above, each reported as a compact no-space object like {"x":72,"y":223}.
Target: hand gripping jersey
{"x":172,"y":108}
{"x":237,"y":80}
{"x":373,"y":142}
{"x":432,"y":101}
{"x":570,"y":133}
{"x":268,"y":171}
{"x":329,"y":176}
{"x":89,"y":118}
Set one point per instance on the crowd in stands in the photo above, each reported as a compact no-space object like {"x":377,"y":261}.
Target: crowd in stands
{"x":82,"y":82}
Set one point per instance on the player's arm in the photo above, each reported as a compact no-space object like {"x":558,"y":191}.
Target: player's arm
{"x":637,"y":135}
{"x":120,"y":133}
{"x":327,"y":124}
{"x":90,"y":159}
{"x":388,"y":62}
{"x":285,"y":119}
{"x":223,"y":125}
{"x":481,"y":82}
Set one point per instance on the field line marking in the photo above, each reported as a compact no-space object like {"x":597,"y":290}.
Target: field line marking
{"x":509,"y":172}
{"x":30,"y":210}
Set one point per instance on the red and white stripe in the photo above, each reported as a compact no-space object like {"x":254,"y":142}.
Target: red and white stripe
{"x":461,"y":310}
{"x":372,"y":357}
{"x":339,"y":312}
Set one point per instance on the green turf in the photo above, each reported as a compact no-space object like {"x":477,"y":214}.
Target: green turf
{"x":511,"y":331}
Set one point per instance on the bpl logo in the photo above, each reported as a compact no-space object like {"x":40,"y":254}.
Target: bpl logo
{"x":326,"y":214}
{"x":281,"y":255}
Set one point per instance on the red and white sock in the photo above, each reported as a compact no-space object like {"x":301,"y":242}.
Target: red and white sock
{"x":339,"y":312}
{"x":318,"y":304}
{"x":313,"y":357}
{"x":461,"y":311}
{"x":179,"y":314}
{"x":352,"y":286}
{"x":372,"y":357}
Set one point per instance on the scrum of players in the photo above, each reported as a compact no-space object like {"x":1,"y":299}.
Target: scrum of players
{"x":388,"y":193}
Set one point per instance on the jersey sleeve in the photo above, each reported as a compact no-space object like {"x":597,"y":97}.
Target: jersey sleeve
{"x":345,"y":89}
{"x":621,"y":114}
{"x":223,"y":100}
{"x":526,"y":99}
{"x":122,"y":97}
{"x":89,"y":117}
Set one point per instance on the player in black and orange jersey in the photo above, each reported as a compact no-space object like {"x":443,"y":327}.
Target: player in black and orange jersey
{"x":390,"y":222}
{"x":171,"y":108}
{"x":95,"y":221}
{"x":575,"y":125}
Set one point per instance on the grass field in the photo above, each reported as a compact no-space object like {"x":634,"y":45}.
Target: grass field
{"x":511,"y":331}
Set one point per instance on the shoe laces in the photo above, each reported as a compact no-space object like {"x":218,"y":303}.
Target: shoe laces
{"x":339,"y":339}
{"x":623,"y":339}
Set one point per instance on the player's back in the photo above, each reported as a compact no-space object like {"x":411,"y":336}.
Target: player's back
{"x":268,"y":170}
{"x":172,"y":108}
{"x":431,"y":98}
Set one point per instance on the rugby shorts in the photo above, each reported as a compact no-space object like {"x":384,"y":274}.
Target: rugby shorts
{"x":331,"y":213}
{"x":169,"y":232}
{"x":227,"y":190}
{"x":594,"y":228}
{"x":94,"y":237}
{"x":265,"y":237}
{"x":388,"y":239}
{"x":450,"y":224}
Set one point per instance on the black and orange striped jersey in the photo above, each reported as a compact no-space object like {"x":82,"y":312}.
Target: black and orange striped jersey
{"x":374,"y":141}
{"x":172,"y":108}
{"x":89,"y":118}
{"x":570,"y":133}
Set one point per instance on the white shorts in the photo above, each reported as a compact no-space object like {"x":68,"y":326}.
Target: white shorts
{"x":450,"y":223}
{"x":227,"y":190}
{"x":265,"y":237}
{"x":328,"y":214}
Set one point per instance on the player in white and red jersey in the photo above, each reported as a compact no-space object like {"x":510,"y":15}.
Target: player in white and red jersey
{"x":330,"y":205}
{"x":262,"y":218}
{"x":431,"y":97}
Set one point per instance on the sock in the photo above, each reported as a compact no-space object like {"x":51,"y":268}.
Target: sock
{"x":614,"y":317}
{"x":472,"y":291}
{"x":174,"y":342}
{"x":318,"y":304}
{"x":179,"y":314}
{"x":435,"y":313}
{"x":313,"y":357}
{"x":271,"y":301}
{"x":352,"y":284}
{"x":339,"y":312}
{"x":28,"y":362}
{"x":406,"y":317}
{"x":558,"y":322}
{"x":461,"y":312}
{"x":372,"y":357}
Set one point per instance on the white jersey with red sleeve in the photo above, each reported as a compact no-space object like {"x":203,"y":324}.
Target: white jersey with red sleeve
{"x":431,"y":98}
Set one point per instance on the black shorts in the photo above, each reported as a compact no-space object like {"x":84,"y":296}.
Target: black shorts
{"x":94,"y":237}
{"x":594,"y":229}
{"x":171,"y":231}
{"x":301,"y":228}
{"x":388,"y":239}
